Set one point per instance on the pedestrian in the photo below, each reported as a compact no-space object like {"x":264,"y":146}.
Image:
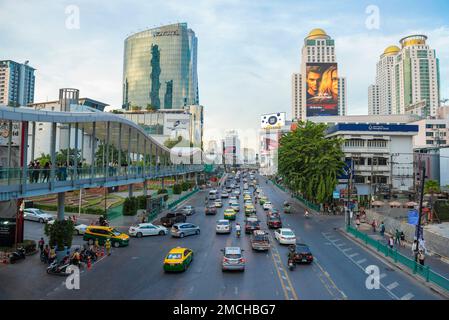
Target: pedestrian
{"x":414,"y":247}
{"x":391,"y":242}
{"x":108,"y":247}
{"x":421,"y":257}
{"x":46,"y":253}
{"x":422,"y":245}
{"x":373,"y":224}
{"x":357,"y":222}
{"x":382,"y":229}
{"x":402,"y":242}
{"x":397,"y":238}
{"x":96,"y":245}
{"x":52,"y":255}
{"x":41,"y":245}
{"x":143,"y":218}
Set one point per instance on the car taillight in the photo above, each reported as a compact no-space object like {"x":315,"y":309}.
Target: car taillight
{"x":242,"y":260}
{"x":225,"y":260}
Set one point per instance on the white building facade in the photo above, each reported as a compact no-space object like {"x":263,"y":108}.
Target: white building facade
{"x":373,"y":100}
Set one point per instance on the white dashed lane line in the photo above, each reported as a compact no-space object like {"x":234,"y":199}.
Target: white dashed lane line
{"x":393,"y":285}
{"x":408,"y":296}
{"x":353,"y":255}
{"x":361,"y":261}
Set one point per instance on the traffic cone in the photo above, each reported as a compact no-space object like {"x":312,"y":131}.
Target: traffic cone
{"x":89,"y":263}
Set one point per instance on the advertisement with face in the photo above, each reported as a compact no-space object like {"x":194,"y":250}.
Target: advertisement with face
{"x":322,"y":89}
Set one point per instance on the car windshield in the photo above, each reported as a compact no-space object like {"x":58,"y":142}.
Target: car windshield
{"x":302,"y":248}
{"x":274,"y":218}
{"x":287,"y":233}
{"x":174,"y":256}
{"x":223,"y":223}
{"x":261,"y":237}
{"x":116,"y":232}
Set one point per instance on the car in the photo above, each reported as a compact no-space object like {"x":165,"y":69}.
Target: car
{"x":245,"y":186}
{"x":247,"y":197}
{"x":285,"y":236}
{"x":223,"y":226}
{"x":229,"y":189}
{"x":262,"y":200}
{"x":258,"y":190}
{"x":80,"y":228}
{"x":251,"y":224}
{"x":232,"y":185}
{"x":210,"y":209}
{"x":188,"y":210}
{"x":180,"y":230}
{"x":230,"y":214}
{"x":147,"y":229}
{"x":237,"y":193}
{"x":38,"y":215}
{"x":218,"y":203}
{"x":100,"y":233}
{"x":233,"y":199}
{"x":235,"y":206}
{"x":303,"y":253}
{"x":274,"y":222}
{"x":267,"y":205}
{"x":249,"y":209}
{"x":178,"y":259}
{"x":224,"y":194}
{"x":260,"y":240}
{"x":233,"y":259}
{"x":173,"y":217}
{"x":273,"y":212}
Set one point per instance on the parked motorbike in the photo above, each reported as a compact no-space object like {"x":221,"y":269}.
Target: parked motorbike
{"x":17,"y":255}
{"x":59,"y":268}
{"x":85,"y":254}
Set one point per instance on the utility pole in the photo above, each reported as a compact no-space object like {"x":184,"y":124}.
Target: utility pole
{"x":421,"y":197}
{"x":348,"y":217}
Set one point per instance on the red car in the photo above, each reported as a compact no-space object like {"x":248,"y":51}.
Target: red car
{"x":274,"y":222}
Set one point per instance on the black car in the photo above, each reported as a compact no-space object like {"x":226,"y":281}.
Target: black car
{"x":274,"y":222}
{"x":251,"y":224}
{"x":303,"y":254}
{"x":210,"y":209}
{"x":173,"y":217}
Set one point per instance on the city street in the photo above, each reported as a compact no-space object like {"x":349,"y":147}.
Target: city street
{"x":135,"y":272}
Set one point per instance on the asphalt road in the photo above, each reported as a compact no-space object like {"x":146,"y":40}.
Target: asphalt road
{"x":135,"y":272}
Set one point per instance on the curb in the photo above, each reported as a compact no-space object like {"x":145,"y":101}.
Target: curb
{"x":431,"y":286}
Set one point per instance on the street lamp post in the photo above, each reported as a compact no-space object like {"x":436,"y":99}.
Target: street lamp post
{"x":421,"y":197}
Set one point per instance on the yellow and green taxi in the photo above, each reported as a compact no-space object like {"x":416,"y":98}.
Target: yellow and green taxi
{"x":178,"y":259}
{"x":263,"y":200}
{"x":246,"y":197}
{"x":230,"y":214}
{"x":249,"y":209}
{"x":117,"y":238}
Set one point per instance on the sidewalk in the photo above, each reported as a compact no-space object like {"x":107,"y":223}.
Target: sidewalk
{"x":437,"y":264}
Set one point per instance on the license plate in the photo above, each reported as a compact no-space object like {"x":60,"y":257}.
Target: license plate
{"x":304,"y":260}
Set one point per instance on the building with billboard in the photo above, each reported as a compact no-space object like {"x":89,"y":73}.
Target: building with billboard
{"x":160,"y":68}
{"x":318,"y":90}
{"x":408,"y":78}
{"x":16,"y":83}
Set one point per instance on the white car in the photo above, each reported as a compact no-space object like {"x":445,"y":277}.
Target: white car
{"x":225,"y":194}
{"x":218,"y":203}
{"x":147,"y":229}
{"x":38,"y":215}
{"x":223,"y":226}
{"x":233,"y":199}
{"x":80,"y":228}
{"x":267,"y":205}
{"x":285,"y":236}
{"x":235,"y":206}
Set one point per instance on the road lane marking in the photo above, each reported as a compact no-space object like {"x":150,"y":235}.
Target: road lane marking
{"x":353,"y":255}
{"x":393,"y":285}
{"x":346,"y":250}
{"x":382,"y":275}
{"x":327,"y":275}
{"x":408,"y":296}
{"x":363,"y":269}
{"x":361,"y":261}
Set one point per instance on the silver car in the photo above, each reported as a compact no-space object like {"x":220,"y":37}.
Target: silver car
{"x":188,"y":210}
{"x":233,"y":259}
{"x":181,"y":230}
{"x":223,"y":226}
{"x":37,"y":215}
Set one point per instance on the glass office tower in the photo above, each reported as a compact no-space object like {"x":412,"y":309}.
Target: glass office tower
{"x":159,"y":69}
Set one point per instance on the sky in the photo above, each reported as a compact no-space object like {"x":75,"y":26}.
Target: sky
{"x":247,"y":50}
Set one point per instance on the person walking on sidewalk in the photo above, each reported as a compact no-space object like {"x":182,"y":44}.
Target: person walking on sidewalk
{"x":402,"y":242}
{"x":422,"y":245}
{"x":397,"y":238}
{"x":357,"y":222}
{"x":415,"y":248}
{"x":382,"y":229}
{"x":373,"y":224}
{"x":421,"y":257}
{"x":391,"y":242}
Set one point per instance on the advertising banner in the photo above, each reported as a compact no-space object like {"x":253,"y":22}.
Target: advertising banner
{"x":322,"y":89}
{"x":273,"y":120}
{"x":5,"y":133}
{"x":177,"y":124}
{"x":413,"y":217}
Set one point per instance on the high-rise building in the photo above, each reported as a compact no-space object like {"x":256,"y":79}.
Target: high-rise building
{"x":231,"y":148}
{"x":373,"y":100}
{"x":160,"y":68}
{"x":318,"y":90}
{"x":408,"y":78}
{"x":16,"y":83}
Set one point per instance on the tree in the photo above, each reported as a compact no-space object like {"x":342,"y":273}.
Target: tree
{"x":309,"y":162}
{"x":431,"y":187}
{"x":150,"y":107}
{"x":61,"y":157}
{"x":170,"y":143}
{"x":60,"y":233}
{"x":113,"y":155}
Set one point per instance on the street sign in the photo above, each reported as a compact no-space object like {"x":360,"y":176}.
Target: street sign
{"x":413,"y":216}
{"x":336,"y":194}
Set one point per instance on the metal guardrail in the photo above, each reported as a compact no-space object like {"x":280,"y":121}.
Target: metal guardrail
{"x":178,"y":201}
{"x":307,"y":203}
{"x":423,"y":271}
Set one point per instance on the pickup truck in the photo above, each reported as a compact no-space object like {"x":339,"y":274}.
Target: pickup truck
{"x":173,"y":217}
{"x":260,"y":240}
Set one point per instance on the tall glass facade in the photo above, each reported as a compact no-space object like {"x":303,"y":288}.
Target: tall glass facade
{"x":160,"y":68}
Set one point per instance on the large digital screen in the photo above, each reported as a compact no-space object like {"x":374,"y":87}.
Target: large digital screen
{"x":273,"y":120}
{"x":322,"y":89}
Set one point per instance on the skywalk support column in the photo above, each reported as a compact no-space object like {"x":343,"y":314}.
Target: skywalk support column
{"x":61,"y":200}
{"x":24,"y":155}
{"x":94,"y":146}
{"x":33,"y":140}
{"x":53,"y":155}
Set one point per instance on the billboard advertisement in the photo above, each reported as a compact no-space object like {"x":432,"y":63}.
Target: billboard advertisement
{"x":5,"y":133}
{"x":273,"y":120}
{"x":177,"y":124}
{"x":322,"y":89}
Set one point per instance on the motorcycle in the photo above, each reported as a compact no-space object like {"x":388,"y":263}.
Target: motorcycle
{"x":17,"y":255}
{"x":59,"y":268}
{"x":291,"y":264}
{"x":238,"y":233}
{"x":306,"y":214}
{"x":85,"y":254}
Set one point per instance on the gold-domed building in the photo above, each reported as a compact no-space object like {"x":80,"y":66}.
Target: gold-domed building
{"x":391,"y":50}
{"x":317,"y":34}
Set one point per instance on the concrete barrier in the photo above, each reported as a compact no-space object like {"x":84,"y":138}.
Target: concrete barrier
{"x":434,"y":242}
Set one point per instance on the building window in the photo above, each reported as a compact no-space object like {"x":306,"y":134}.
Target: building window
{"x":355,"y":143}
{"x":377,"y":144}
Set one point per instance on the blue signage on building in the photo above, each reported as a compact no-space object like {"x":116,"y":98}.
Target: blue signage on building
{"x":347,"y":169}
{"x":336,"y":194}
{"x":367,"y":127}
{"x":413,"y":216}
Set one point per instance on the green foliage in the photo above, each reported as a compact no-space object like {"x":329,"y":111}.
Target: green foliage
{"x":431,"y":186}
{"x":61,"y":157}
{"x":141,"y":202}
{"x":309,"y":162}
{"x":170,"y":143}
{"x":186,"y":185}
{"x":177,"y":189}
{"x":71,"y":209}
{"x":60,"y":233}
{"x":113,"y":155}
{"x":162,"y":190}
{"x":130,"y":206}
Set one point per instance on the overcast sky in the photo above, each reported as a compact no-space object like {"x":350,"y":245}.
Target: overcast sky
{"x":247,"y":50}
